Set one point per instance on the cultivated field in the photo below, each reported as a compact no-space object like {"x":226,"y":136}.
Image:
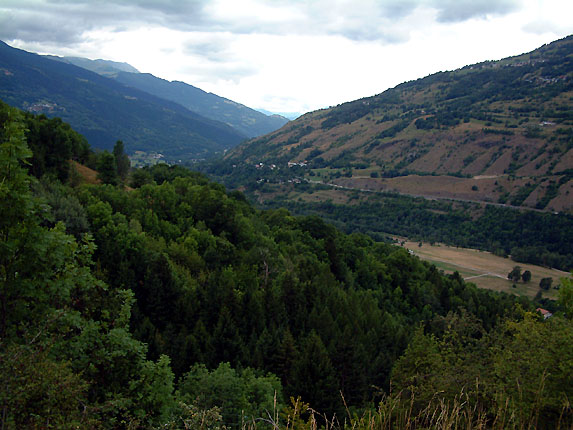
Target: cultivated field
{"x":485,"y":269}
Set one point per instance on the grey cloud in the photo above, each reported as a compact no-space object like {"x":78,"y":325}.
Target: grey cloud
{"x":215,"y":48}
{"x":398,"y":8}
{"x":544,"y":26}
{"x":462,"y":10}
{"x":65,"y":21}
{"x":359,"y":21}
{"x":163,"y":7}
{"x":38,"y":26}
{"x":214,"y":58}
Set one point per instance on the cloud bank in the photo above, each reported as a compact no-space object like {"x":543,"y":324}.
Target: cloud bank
{"x":67,"y":21}
{"x":286,"y":55}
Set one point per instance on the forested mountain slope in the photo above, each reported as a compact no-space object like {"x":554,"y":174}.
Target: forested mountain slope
{"x":104,"y":110}
{"x":178,"y":305}
{"x":498,"y":131}
{"x":247,"y":121}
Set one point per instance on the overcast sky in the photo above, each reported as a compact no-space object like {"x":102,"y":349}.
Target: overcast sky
{"x":287,"y":55}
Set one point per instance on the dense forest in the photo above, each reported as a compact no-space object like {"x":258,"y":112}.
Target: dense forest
{"x":173,"y":303}
{"x":534,"y":237}
{"x":527,"y":236}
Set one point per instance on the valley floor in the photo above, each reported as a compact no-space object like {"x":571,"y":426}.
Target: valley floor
{"x":485,"y":269}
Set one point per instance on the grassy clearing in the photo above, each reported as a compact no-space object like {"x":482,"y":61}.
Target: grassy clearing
{"x":485,"y":269}
{"x":87,"y":175}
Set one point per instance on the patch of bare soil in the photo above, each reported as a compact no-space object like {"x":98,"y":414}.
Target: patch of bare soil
{"x":88,"y":175}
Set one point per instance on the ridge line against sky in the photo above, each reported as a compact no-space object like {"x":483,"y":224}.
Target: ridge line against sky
{"x":287,"y":56}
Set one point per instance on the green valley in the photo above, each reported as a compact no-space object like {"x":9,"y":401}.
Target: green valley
{"x":286,"y":296}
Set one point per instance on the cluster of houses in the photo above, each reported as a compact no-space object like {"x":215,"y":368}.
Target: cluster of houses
{"x":261,"y":165}
{"x":274,"y":166}
{"x":42,"y":107}
{"x":297,"y":163}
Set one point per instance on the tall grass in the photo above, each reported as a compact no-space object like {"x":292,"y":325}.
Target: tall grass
{"x":401,"y":412}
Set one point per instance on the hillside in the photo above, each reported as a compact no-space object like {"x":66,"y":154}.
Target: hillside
{"x":245,"y":120}
{"x":104,"y":110}
{"x":498,"y":131}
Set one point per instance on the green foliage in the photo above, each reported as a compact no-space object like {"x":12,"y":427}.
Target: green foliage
{"x":530,"y":237}
{"x":38,"y":392}
{"x":52,"y":142}
{"x":519,"y":373}
{"x":224,"y":282}
{"x":545,"y":283}
{"x":194,"y":417}
{"x":415,"y":367}
{"x":63,"y":207}
{"x":566,"y":297}
{"x":178,"y":274}
{"x":314,"y":376}
{"x":515,"y":274}
{"x":550,"y":193}
{"x":533,"y":368}
{"x":65,"y":334}
{"x":107,"y":168}
{"x":242,"y":396}
{"x":121,"y":160}
{"x":140,"y":177}
{"x":518,"y":198}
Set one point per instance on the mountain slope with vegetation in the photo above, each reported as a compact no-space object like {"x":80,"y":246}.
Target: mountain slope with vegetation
{"x":479,"y":157}
{"x":104,"y":110}
{"x":176,"y":304}
{"x":245,"y":120}
{"x":498,"y":131}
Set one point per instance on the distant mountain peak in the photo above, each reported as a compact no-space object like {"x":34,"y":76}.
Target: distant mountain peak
{"x":291,"y":116}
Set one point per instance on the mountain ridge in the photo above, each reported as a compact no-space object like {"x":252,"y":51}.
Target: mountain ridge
{"x":105,"y":110}
{"x":103,"y":67}
{"x":245,"y":120}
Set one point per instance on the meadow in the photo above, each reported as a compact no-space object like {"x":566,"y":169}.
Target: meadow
{"x":485,"y":269}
